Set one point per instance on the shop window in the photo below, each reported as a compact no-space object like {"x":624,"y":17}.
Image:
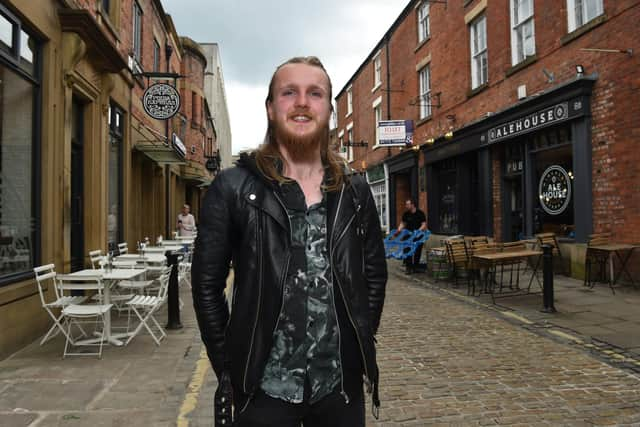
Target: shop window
{"x":553,"y":207}
{"x":447,"y":190}
{"x":380,"y":197}
{"x":19,"y":188}
{"x":114,"y":215}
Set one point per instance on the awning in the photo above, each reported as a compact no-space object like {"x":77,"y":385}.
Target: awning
{"x":194,"y":171}
{"x":160,"y":153}
{"x":153,"y":145}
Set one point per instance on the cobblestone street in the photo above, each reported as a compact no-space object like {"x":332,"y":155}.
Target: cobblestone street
{"x":445,"y":362}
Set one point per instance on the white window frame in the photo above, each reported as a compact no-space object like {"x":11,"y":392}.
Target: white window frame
{"x":423,"y":22}
{"x":424,"y":82}
{"x":350,"y":140}
{"x":349,"y":101}
{"x":377,"y":116}
{"x":479,"y":52}
{"x":137,"y":32}
{"x":377,"y":71}
{"x":523,"y":36}
{"x":379,"y":192}
{"x":579,"y":12}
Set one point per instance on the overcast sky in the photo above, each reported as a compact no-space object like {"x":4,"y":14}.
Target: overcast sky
{"x":256,"y":35}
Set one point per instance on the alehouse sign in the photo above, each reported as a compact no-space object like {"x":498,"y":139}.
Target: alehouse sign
{"x":161,"y":101}
{"x":554,"y":190}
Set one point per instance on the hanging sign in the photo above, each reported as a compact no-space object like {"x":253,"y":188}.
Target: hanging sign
{"x":395,"y":133}
{"x":554,"y":190}
{"x":161,"y":101}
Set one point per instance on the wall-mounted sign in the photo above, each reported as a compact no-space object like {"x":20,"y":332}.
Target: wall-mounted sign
{"x":355,"y":144}
{"x":554,"y":190}
{"x":531,"y":122}
{"x":161,"y":101}
{"x":395,"y":133}
{"x":178,"y":145}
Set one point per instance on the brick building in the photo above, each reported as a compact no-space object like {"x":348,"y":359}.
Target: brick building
{"x":83,"y":165}
{"x":524,"y":113}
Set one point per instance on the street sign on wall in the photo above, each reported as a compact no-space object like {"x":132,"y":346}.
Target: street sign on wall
{"x":161,"y":101}
{"x":395,"y":133}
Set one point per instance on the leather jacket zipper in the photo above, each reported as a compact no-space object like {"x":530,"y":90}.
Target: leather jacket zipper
{"x":335,"y":309}
{"x":344,"y":299}
{"x":255,"y":323}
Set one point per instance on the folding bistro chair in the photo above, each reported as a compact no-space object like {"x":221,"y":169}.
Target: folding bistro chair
{"x":95,"y":257}
{"x":44,"y":274}
{"x":76,"y":313}
{"x":123,"y":248}
{"x":145,"y":306}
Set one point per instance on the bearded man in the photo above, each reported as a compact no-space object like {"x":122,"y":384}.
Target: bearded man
{"x":304,"y":240}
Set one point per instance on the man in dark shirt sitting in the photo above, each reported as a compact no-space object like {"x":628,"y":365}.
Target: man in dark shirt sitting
{"x":413,"y":219}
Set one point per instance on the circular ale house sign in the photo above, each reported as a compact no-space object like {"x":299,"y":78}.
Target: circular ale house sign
{"x":554,"y":190}
{"x":161,"y":101}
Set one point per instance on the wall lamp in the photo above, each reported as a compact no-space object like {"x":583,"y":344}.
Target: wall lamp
{"x":579,"y":70}
{"x":430,"y":141}
{"x":449,"y":134}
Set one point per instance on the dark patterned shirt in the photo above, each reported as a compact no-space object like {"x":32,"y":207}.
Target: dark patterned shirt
{"x":305,"y":340}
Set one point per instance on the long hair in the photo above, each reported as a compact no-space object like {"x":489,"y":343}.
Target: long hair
{"x":268,"y":156}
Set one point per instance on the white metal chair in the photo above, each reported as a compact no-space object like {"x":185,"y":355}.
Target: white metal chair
{"x":144,"y":307}
{"x":95,"y":256}
{"x":76,"y":313}
{"x":123,"y":248}
{"x":44,"y":274}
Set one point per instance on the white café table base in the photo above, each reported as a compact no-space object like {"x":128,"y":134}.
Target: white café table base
{"x":108,"y":277}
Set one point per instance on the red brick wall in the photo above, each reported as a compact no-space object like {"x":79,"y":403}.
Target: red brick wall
{"x":403,"y":192}
{"x":615,"y":109}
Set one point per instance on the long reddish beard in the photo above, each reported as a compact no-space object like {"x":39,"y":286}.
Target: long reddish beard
{"x":301,"y":148}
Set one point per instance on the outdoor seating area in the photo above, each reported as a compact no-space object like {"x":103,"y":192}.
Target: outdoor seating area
{"x":113,"y":301}
{"x":511,"y":268}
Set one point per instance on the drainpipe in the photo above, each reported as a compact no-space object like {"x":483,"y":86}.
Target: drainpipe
{"x":167,"y":168}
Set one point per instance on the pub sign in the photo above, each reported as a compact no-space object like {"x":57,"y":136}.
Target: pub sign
{"x":161,"y":101}
{"x":554,"y":190}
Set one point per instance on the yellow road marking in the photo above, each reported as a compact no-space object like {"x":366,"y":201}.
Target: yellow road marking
{"x":517,"y":317}
{"x":565,"y":335}
{"x":191,"y":398}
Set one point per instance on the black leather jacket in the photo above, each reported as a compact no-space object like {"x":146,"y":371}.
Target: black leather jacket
{"x":243,"y":220}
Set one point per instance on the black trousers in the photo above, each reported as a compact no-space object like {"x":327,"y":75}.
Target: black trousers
{"x":330,"y":411}
{"x":413,"y":262}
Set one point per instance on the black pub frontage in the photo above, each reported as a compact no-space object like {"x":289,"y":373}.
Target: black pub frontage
{"x":518,"y":172}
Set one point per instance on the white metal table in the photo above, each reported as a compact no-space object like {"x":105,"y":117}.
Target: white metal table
{"x":108,"y":277}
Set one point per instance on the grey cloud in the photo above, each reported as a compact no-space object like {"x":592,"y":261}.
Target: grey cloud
{"x":255,"y":36}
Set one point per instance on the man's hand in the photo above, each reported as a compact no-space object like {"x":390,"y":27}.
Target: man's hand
{"x":223,"y":402}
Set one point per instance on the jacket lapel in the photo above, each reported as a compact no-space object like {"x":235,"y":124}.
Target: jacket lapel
{"x":263,"y":198}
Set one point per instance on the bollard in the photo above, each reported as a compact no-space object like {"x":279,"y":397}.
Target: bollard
{"x":547,"y":274}
{"x":173,"y":297}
